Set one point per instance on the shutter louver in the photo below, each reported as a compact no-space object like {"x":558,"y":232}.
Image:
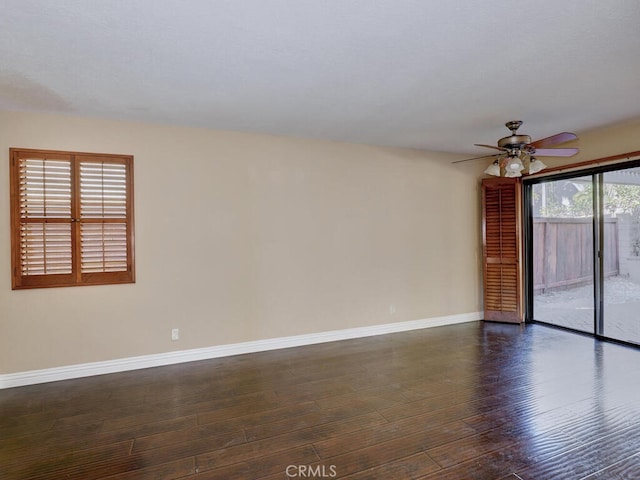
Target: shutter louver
{"x":45,"y":188}
{"x":502,"y":251}
{"x":45,"y":248}
{"x":104,"y":247}
{"x":103,"y":190}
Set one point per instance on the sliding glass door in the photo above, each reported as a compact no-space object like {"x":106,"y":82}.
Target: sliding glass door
{"x":583,"y":245}
{"x":621,"y":242}
{"x":563,"y":280}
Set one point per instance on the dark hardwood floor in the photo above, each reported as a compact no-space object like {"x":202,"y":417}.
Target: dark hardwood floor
{"x":470,"y":401}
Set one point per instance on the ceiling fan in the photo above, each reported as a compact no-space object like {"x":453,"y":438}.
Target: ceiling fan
{"x":517,"y":153}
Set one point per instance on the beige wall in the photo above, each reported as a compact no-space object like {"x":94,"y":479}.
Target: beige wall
{"x":243,"y":237}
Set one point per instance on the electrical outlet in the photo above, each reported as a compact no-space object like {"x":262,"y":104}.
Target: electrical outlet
{"x":392,"y":309}
{"x":175,"y":334}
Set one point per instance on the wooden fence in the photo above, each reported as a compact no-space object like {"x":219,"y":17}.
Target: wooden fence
{"x":563,"y":252}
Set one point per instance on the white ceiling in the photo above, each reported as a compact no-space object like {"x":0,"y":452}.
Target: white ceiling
{"x":429,"y":74}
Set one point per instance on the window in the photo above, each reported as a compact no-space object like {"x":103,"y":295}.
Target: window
{"x":71,"y":218}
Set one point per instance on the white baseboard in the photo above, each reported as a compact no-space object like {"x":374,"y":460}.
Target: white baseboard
{"x":145,"y":361}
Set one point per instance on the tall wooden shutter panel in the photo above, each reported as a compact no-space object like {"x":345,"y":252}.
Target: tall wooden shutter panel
{"x":502,"y":250}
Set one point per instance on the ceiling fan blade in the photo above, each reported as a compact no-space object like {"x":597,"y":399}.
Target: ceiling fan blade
{"x":490,"y":146}
{"x":474,"y":158}
{"x":554,"y":139}
{"x":556,"y":152}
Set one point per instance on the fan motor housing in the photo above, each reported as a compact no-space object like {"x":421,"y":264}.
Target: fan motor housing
{"x":514,"y":141}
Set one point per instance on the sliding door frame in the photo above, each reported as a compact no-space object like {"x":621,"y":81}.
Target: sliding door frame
{"x":598,"y":258}
{"x":597,"y":178}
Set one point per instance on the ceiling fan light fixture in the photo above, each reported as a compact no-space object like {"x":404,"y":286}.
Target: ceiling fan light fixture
{"x":514,"y":164}
{"x":493,"y":169}
{"x":536,"y":166}
{"x":512,"y":173}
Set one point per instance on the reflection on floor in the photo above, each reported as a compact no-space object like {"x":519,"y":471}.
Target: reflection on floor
{"x":469,"y":401}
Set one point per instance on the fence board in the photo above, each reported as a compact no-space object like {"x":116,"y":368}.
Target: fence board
{"x":563,"y":251}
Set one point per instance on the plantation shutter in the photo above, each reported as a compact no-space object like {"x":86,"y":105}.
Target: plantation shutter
{"x":72,"y":219}
{"x":103,"y":217}
{"x":44,"y":245}
{"x":501,"y":203}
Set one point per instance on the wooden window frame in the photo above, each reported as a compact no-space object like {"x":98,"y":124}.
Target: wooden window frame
{"x":76,"y":277}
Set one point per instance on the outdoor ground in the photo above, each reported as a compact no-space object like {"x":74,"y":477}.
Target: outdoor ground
{"x":573,"y":308}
